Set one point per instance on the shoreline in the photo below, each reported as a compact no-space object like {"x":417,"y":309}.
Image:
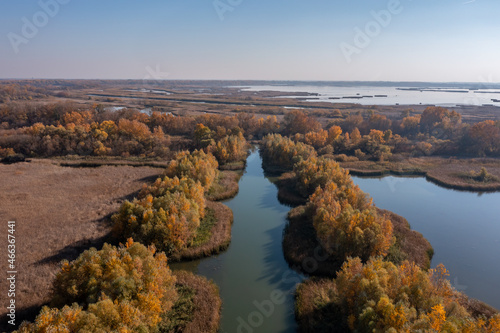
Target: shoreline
{"x":220,"y":236}
{"x":444,"y":172}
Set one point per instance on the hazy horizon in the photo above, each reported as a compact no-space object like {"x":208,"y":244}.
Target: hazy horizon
{"x":394,"y":41}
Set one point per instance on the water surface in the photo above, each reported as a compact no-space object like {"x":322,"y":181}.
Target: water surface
{"x":256,"y":284}
{"x":446,"y":96}
{"x":462,"y":227}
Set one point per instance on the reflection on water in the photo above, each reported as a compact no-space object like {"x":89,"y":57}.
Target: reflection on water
{"x":463,"y":228}
{"x":255,"y":282}
{"x":257,"y":286}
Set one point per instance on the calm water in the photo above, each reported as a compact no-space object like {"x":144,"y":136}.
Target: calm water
{"x":443,"y":96}
{"x":463,"y":228}
{"x":255,"y":282}
{"x":257,"y":286}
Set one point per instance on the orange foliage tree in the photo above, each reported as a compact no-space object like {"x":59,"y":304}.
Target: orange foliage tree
{"x":347,"y":224}
{"x":231,"y":148}
{"x":198,"y":165}
{"x":168,"y":222}
{"x":125,"y":289}
{"x":282,"y":152}
{"x":381,"y":297}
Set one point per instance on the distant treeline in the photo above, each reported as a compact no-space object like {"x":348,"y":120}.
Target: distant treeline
{"x":62,"y":129}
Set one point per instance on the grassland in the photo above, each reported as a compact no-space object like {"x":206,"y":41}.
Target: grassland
{"x":59,"y":213}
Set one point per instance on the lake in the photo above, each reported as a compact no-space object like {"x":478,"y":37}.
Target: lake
{"x":462,"y":227}
{"x":443,"y":95}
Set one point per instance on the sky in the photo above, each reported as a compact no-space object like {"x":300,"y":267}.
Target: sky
{"x":366,"y":40}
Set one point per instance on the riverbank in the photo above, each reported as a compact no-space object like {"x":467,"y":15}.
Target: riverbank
{"x":198,"y":308}
{"x":314,"y":312}
{"x":218,"y":234}
{"x":452,"y":173}
{"x":300,"y":245}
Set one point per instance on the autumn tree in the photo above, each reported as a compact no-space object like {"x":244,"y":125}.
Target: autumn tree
{"x":316,"y":139}
{"x":298,"y":121}
{"x":483,"y":138}
{"x":347,"y":224}
{"x":198,"y":165}
{"x":282,"y":152}
{"x":379,"y":296}
{"x":168,"y":222}
{"x":124,"y":289}
{"x":231,"y":148}
{"x":203,"y":136}
{"x":313,"y":172}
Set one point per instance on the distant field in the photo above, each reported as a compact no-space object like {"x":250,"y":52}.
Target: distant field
{"x":59,"y":212}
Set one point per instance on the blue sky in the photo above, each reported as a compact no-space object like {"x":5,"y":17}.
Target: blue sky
{"x":423,"y":40}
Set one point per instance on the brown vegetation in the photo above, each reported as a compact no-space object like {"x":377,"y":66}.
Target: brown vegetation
{"x":59,"y":213}
{"x":206,"y":303}
{"x":225,"y":187}
{"x":300,"y":244}
{"x":219,"y":239}
{"x":446,"y":172}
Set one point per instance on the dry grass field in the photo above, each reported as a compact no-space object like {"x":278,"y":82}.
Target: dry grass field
{"x":59,"y":212}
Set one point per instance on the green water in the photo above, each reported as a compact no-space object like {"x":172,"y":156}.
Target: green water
{"x":256,"y":284}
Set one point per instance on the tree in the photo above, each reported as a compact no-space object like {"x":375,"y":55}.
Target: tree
{"x":168,"y":222}
{"x":346,"y":223}
{"x":231,"y":148}
{"x":282,"y":152}
{"x":203,"y":136}
{"x":379,"y":296}
{"x":316,"y":139}
{"x":299,"y":122}
{"x":121,"y":289}
{"x":484,"y":138}
{"x":198,"y":165}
